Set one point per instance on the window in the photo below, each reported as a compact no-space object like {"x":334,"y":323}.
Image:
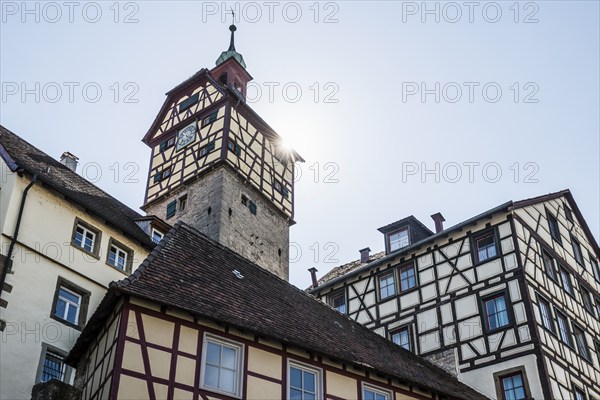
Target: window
{"x":167,"y":144}
{"x":204,"y":150}
{"x":598,"y":306}
{"x":387,"y":286}
{"x":53,"y":365}
{"x":157,"y":236}
{"x":244,"y":200}
{"x":86,"y":237}
{"x":374,"y":393}
{"x":187,"y":103}
{"x":280,"y":187}
{"x":565,"y":277}
{"x":234,"y":147}
{"x":162,"y":175}
{"x":182,"y":202}
{"x":577,"y":251}
{"x":513,"y":387}
{"x":221,"y":366}
{"x":549,"y":266}
{"x":407,"y":278}
{"x":587,"y":300}
{"x":338,"y":301}
{"x":171,"y":208}
{"x":545,"y":314}
{"x":210,"y":119}
{"x":595,"y":268}
{"x":563,"y":328}
{"x":70,"y":303}
{"x":582,"y":347}
{"x":496,"y":313}
{"x":568,"y":213}
{"x":304,"y":382}
{"x":485,"y":247}
{"x":402,"y":338}
{"x":119,"y":256}
{"x":252,"y":207}
{"x":398,"y":240}
{"x":579,"y":394}
{"x":553,"y":225}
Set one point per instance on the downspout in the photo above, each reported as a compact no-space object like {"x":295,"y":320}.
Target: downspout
{"x":16,"y":233}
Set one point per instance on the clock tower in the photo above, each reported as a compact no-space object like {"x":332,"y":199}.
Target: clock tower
{"x":218,"y":166}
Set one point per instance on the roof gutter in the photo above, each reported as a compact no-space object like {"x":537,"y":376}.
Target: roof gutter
{"x":8,"y":259}
{"x":413,"y":246}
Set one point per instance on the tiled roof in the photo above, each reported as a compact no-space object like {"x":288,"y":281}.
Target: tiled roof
{"x":214,"y":282}
{"x":18,"y":153}
{"x":348,"y":267}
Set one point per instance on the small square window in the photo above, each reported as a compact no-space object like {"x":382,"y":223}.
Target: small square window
{"x":398,"y":240}
{"x":234,"y":147}
{"x":485,"y":246}
{"x":402,"y":338}
{"x":513,"y":387}
{"x":244,"y":200}
{"x":371,"y":392}
{"x":387,"y":285}
{"x":171,"y":208}
{"x":167,"y":144}
{"x":577,"y":251}
{"x":304,"y":382}
{"x":86,"y":237}
{"x":119,"y":256}
{"x":222,"y":366}
{"x":496,"y":312}
{"x":166,"y":173}
{"x":205,"y":150}
{"x":210,"y":119}
{"x":408,"y":279}
{"x":563,"y":328}
{"x":338,"y":301}
{"x":553,"y":225}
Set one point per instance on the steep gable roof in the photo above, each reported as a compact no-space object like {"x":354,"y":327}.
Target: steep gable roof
{"x":19,"y":154}
{"x":214,"y":282}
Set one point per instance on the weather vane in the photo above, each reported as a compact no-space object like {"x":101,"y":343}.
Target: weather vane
{"x":232,"y":16}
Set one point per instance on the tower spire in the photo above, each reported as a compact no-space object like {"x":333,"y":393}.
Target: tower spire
{"x":231,"y":52}
{"x":232,"y":28}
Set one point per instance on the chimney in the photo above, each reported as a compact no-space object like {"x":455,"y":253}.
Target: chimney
{"x":364,"y":255}
{"x":69,"y":160}
{"x":313,"y":275}
{"x":438,"y":218}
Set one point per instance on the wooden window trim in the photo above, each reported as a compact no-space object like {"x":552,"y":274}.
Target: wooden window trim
{"x":128,"y":263}
{"x":379,"y":276}
{"x":498,"y":376}
{"x":402,"y":268}
{"x":338,"y":293}
{"x":97,"y":240}
{"x":575,"y":244}
{"x":574,"y":328}
{"x":388,"y":242}
{"x":555,"y":277}
{"x":559,"y":314}
{"x":509,"y":311}
{"x":407,"y":328}
{"x":571,"y":292}
{"x":550,"y":216}
{"x":83,"y":308}
{"x":474,"y":249}
{"x":541,"y":299}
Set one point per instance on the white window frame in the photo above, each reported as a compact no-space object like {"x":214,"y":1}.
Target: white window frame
{"x":309,"y":368}
{"x":239,"y":347}
{"x":158,"y":233}
{"x":399,"y":241}
{"x":68,"y":305}
{"x":85,"y":232}
{"x":125,"y":254}
{"x":375,"y":389}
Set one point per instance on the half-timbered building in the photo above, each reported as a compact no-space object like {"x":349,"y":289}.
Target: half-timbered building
{"x":217,"y":165}
{"x":63,"y":240}
{"x":217,"y":326}
{"x":508,"y":301}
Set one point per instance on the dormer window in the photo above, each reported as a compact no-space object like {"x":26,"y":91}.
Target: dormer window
{"x":398,"y":239}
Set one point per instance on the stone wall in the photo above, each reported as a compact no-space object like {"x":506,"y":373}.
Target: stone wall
{"x":446,"y":360}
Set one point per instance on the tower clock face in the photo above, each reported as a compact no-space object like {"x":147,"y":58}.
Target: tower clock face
{"x":186,"y":136}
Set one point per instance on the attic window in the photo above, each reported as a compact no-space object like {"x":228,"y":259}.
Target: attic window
{"x":210,"y":119}
{"x":398,"y":239}
{"x":167,"y":143}
{"x":187,"y":103}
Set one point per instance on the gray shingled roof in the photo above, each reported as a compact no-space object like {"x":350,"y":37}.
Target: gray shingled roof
{"x":205,"y":284}
{"x":19,"y":154}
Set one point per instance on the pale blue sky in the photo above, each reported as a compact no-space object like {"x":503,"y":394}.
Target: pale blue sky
{"x":370,"y":57}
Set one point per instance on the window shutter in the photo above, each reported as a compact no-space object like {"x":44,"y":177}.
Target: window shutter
{"x":171,"y":208}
